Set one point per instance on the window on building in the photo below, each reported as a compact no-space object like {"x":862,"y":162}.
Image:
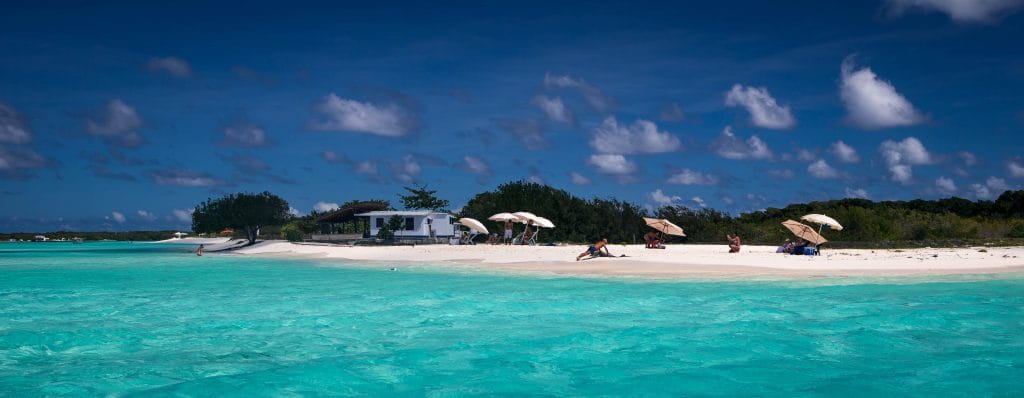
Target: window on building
{"x":380,"y":222}
{"x":409,"y":221}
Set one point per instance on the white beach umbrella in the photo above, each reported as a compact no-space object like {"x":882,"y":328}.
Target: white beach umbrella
{"x":503,"y":217}
{"x":543,"y":222}
{"x":179,"y":234}
{"x":525,"y":217}
{"x":473,"y":224}
{"x":823,"y":220}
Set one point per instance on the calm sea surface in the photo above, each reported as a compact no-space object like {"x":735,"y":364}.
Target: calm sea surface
{"x":148,"y":320}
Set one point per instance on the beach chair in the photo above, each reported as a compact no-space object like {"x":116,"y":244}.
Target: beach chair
{"x":518,"y":240}
{"x":533,"y":239}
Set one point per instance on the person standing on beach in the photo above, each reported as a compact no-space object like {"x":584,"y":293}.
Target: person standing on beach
{"x":595,"y":250}
{"x":199,"y":250}
{"x":508,"y":232}
{"x":734,"y":243}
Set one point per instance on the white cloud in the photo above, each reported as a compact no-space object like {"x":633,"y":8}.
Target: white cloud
{"x":176,"y":67}
{"x":640,"y":137}
{"x":764,"y":110}
{"x":699,"y":201}
{"x":245,"y":135}
{"x":578,"y":179}
{"x":366,"y":167}
{"x":116,"y":123}
{"x":323,"y":207}
{"x":145,"y":215}
{"x":690,"y":177}
{"x":961,"y":11}
{"x":858,"y":193}
{"x":536,"y":179}
{"x":407,"y":170}
{"x":555,"y":109}
{"x":997,"y":184}
{"x":1015,"y":168}
{"x":980,"y":191}
{"x":475,"y":165}
{"x":185,"y":178}
{"x":899,"y":156}
{"x":13,"y":162}
{"x":294,"y":212}
{"x":968,"y":158}
{"x":872,"y":103}
{"x":844,"y":152}
{"x":596,"y":98}
{"x":821,"y":169}
{"x":663,"y":200}
{"x":13,"y":128}
{"x":333,"y":157}
{"x":612,"y":164}
{"x":182,"y":215}
{"x":945,"y":185}
{"x":728,"y":146}
{"x":117,"y":217}
{"x":350,"y":115}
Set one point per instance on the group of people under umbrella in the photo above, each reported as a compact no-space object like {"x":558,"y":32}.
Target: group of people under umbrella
{"x":810,"y":239}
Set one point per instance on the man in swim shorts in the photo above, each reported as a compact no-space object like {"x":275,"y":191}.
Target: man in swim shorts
{"x":595,"y":249}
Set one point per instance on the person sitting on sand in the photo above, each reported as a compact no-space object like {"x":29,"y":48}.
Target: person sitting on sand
{"x":199,"y":250}
{"x":492,"y":239}
{"x":596,"y":250}
{"x":653,"y":240}
{"x":734,"y":243}
{"x":527,"y":234}
{"x":798,"y":250}
{"x":786,"y":247}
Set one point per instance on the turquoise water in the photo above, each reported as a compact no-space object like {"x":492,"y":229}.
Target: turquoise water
{"x":145,"y":320}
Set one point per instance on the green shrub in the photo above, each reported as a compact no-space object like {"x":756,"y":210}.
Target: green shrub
{"x":293,"y":232}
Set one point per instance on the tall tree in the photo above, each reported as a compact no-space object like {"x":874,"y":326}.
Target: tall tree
{"x":420,"y":197}
{"x":243,"y":211}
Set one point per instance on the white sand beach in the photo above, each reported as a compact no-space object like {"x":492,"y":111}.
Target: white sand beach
{"x":676,"y":260}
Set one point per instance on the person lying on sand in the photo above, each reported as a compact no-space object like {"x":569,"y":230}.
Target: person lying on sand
{"x":596,"y":250}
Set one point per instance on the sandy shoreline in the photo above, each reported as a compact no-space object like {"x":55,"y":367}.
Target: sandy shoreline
{"x":675,"y":261}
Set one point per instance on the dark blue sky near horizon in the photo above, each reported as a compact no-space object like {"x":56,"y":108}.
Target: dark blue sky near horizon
{"x":124,"y":116}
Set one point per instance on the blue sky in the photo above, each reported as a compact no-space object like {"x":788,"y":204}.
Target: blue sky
{"x":123,"y":115}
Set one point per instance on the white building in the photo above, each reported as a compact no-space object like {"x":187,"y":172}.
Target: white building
{"x":416,"y":224}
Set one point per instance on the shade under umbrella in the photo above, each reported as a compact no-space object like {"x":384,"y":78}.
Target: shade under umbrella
{"x":803,"y":231}
{"x":503,"y":217}
{"x":543,"y":222}
{"x":823,"y":220}
{"x":473,"y":224}
{"x":665,"y":226}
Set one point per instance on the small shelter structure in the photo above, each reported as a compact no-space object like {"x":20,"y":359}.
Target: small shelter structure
{"x":421,"y":225}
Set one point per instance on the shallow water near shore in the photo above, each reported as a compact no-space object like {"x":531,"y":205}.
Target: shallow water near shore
{"x":142,"y":319}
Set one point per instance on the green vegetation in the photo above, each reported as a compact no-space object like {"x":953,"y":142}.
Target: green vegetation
{"x":421,"y":198}
{"x":243,"y":211}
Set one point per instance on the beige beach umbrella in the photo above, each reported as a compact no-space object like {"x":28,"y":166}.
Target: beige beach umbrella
{"x":503,"y":217}
{"x":473,"y":224}
{"x":803,"y":231}
{"x":543,"y":222}
{"x":823,"y":220}
{"x":665,"y":226}
{"x":525,"y":217}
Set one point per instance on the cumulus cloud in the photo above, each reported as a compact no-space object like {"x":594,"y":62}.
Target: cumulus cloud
{"x":407,"y":169}
{"x":536,"y":179}
{"x":690,"y":177}
{"x":728,"y":146}
{"x":578,"y":179}
{"x":997,"y":184}
{"x":844,"y":152}
{"x":945,"y":185}
{"x":182,"y":215}
{"x":294,"y":212}
{"x":612,"y":164}
{"x":186,"y":178}
{"x":960,"y":11}
{"x":872,"y":103}
{"x":18,"y":164}
{"x":594,"y":97}
{"x":968,"y":158}
{"x":118,"y":217}
{"x":555,"y":109}
{"x":145,"y":215}
{"x":116,"y":124}
{"x":323,"y":207}
{"x":173,"y":66}
{"x":821,"y":169}
{"x":475,"y":165}
{"x":1015,"y":168}
{"x":671,"y":112}
{"x":858,"y":193}
{"x":13,"y":128}
{"x":699,"y":201}
{"x":663,"y":200}
{"x":640,"y":137}
{"x":339,"y":114}
{"x":244,"y":134}
{"x":981,"y":191}
{"x":764,"y":110}
{"x":530,"y":132}
{"x":901,"y":155}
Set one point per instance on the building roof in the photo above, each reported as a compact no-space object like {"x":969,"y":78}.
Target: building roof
{"x":399,"y":213}
{"x":348,"y":213}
